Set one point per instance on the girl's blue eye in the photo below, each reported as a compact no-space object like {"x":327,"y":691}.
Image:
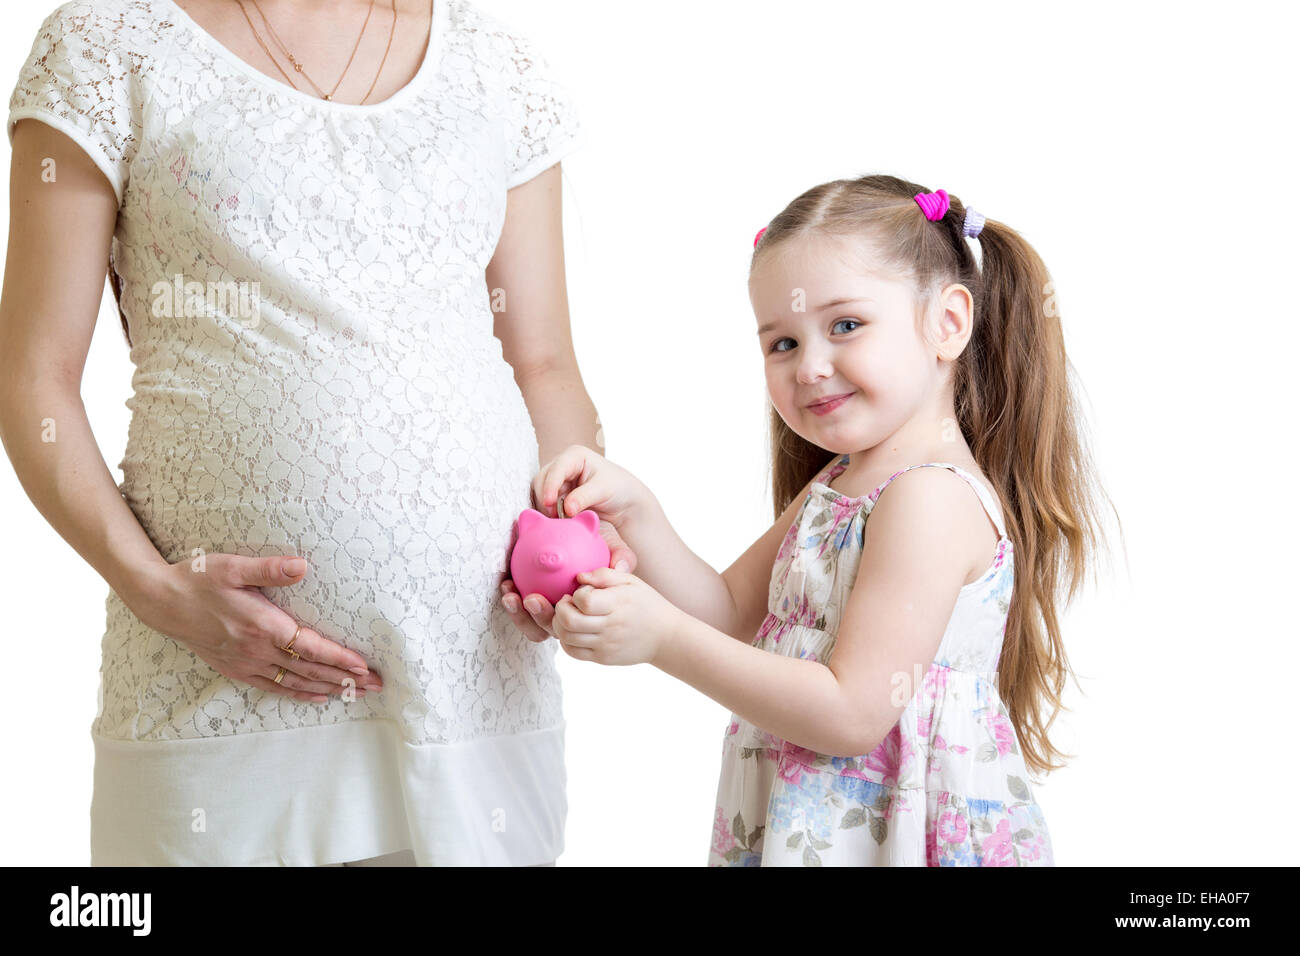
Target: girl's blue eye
{"x":773,"y":347}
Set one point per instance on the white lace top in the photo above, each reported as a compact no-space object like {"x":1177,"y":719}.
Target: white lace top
{"x":316,"y":374}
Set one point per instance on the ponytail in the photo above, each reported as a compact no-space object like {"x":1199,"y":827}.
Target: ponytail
{"x":1018,"y":410}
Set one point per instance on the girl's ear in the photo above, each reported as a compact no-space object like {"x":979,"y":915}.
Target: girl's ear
{"x":589,"y":520}
{"x":954,"y":324}
{"x":530,"y":517}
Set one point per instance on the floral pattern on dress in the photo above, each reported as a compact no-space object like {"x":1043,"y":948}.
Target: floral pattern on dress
{"x":948,"y":784}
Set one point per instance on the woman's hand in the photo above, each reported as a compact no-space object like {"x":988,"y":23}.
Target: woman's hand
{"x":615,"y":618}
{"x":535,"y":621}
{"x":219,"y":614}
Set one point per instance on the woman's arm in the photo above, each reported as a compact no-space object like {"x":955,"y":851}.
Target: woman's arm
{"x":531,"y":317}
{"x":46,"y":324}
{"x":59,"y":236}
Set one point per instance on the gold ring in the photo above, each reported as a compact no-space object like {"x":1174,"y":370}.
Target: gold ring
{"x":279,"y":676}
{"x":295,"y":655}
{"x":292,"y":639}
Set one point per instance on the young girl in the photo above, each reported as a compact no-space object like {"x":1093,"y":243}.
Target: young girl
{"x":885,"y":665}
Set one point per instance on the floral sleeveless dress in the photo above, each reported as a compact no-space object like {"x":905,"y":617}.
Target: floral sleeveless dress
{"x":947,"y":787}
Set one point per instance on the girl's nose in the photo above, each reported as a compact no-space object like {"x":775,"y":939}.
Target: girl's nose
{"x":813,"y":369}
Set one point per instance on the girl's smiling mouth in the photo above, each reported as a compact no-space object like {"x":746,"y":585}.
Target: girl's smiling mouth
{"x":830,"y":403}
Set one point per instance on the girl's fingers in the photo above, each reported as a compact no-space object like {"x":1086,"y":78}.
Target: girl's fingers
{"x":578,"y":497}
{"x":560,"y":477}
{"x":581,"y":641}
{"x":541,"y":486}
{"x":554,"y":500}
{"x":579,"y":653}
{"x":576,"y":628}
{"x":573,"y":502}
{"x":592,"y":601}
{"x":603,"y":577}
{"x":538,"y":481}
{"x":562,"y":471}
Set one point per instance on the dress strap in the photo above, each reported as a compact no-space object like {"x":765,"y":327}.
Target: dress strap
{"x":833,"y":468}
{"x":991,"y":506}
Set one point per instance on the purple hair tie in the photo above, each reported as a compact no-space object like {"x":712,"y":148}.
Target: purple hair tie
{"x":973,"y":224}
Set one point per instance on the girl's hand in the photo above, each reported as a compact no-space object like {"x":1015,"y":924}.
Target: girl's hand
{"x":536,"y":625}
{"x":219,"y":614}
{"x":586,"y":480}
{"x":615,"y":618}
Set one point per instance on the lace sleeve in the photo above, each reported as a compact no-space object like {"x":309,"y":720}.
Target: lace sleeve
{"x":82,"y":79}
{"x":542,"y":119}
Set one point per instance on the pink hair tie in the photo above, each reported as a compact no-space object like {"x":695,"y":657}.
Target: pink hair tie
{"x":759,"y":236}
{"x":934,"y":205}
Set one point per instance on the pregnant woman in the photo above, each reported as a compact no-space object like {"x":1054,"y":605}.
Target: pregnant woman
{"x":334,"y":234}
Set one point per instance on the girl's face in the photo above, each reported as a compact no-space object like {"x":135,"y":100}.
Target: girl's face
{"x":828,"y":328}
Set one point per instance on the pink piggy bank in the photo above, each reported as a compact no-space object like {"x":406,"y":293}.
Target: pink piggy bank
{"x":552,"y":552}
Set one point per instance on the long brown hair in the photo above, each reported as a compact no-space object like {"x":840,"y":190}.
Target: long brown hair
{"x":115,"y":283}
{"x":1014,"y":403}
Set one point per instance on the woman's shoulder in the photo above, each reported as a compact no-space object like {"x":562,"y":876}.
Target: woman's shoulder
{"x":101,"y":40}
{"x":87,"y":74}
{"x":467,"y":21}
{"x":489,"y":37}
{"x":130,"y":22}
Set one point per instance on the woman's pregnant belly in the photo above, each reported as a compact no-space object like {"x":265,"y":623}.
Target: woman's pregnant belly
{"x":398,"y":482}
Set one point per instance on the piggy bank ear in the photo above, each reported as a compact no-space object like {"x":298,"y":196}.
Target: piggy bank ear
{"x":529,"y":518}
{"x":589,"y":520}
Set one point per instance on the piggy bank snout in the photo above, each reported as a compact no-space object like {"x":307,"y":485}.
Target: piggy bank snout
{"x":552,"y":559}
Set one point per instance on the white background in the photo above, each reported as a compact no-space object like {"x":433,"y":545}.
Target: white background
{"x":1143,"y":149}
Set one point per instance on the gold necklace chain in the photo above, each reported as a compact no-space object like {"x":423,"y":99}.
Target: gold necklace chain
{"x":298,"y":66}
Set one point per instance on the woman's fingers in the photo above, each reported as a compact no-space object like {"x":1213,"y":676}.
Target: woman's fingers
{"x":521,"y":616}
{"x":267,"y":684}
{"x":618,"y":549}
{"x":541,"y":610}
{"x":273,"y":572}
{"x":296,"y":682}
{"x":322,"y":664}
{"x":306,"y":676}
{"x":322,"y":660}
